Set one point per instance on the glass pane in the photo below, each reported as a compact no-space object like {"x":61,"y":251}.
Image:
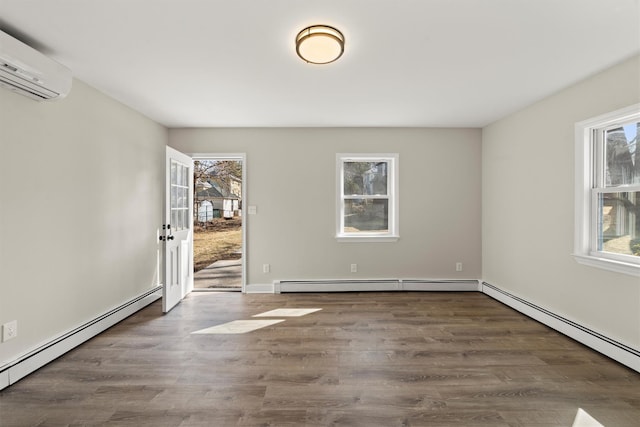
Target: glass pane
{"x":623,"y":155}
{"x":365,"y":178}
{"x":180,"y":174}
{"x":185,"y":198}
{"x":619,"y":223}
{"x":174,"y":196}
{"x":185,"y":176}
{"x":174,"y":218}
{"x":180,"y":200}
{"x":174,"y":173}
{"x":366,"y":215}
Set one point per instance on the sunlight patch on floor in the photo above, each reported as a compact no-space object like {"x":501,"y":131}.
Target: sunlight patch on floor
{"x":583,"y":419}
{"x":238,"y":326}
{"x":287,"y":312}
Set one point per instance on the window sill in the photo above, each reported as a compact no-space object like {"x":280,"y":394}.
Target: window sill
{"x":609,"y":264}
{"x":367,"y":239}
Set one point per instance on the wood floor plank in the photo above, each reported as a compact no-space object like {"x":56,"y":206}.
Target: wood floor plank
{"x":365,"y":359}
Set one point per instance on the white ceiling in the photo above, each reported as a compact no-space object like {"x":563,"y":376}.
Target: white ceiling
{"x":232,"y":63}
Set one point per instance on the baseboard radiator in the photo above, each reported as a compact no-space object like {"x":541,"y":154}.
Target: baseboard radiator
{"x":617,"y":351}
{"x":384,"y":285}
{"x":628,"y":356}
{"x":28,"y":363}
{"x":620,"y":352}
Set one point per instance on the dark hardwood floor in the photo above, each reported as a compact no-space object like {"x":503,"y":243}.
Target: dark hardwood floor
{"x":365,"y":359}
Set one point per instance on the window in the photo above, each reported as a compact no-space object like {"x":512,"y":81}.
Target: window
{"x":367,"y":197}
{"x":179,"y":196}
{"x":607,"y":231}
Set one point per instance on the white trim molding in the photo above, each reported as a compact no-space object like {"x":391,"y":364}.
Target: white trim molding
{"x":375,"y":285}
{"x":37,"y":358}
{"x":259,"y":288}
{"x":392,"y":161}
{"x":608,"y":264}
{"x":242,"y":157}
{"x":624,"y":354}
{"x":584,"y":252}
{"x":617,"y":351}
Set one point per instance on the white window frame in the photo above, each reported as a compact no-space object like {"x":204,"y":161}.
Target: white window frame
{"x":393,"y":234}
{"x":588,"y":142}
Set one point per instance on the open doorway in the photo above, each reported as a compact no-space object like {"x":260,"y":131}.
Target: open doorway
{"x":218,"y":232}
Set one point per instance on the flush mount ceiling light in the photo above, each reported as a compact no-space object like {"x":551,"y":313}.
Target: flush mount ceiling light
{"x":319,"y":44}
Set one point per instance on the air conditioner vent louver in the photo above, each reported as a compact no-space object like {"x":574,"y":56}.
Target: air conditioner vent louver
{"x":26,"y":71}
{"x":11,"y":80}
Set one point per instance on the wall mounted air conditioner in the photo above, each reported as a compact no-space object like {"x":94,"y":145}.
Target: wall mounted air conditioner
{"x":26,"y":71}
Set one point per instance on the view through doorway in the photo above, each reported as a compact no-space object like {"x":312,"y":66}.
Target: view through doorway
{"x":217,"y":231}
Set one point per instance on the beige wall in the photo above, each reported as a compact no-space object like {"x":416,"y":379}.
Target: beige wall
{"x":80,"y":201}
{"x":528,"y":208}
{"x":292,"y":180}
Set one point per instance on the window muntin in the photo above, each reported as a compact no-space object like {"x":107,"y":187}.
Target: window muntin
{"x":608,"y":191}
{"x":367,"y":205}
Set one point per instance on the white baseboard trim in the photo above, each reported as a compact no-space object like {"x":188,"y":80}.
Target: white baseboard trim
{"x":4,"y":379}
{"x":266,"y":288}
{"x":441,"y":285}
{"x":617,"y":351}
{"x":382,"y":285}
{"x":26,"y":364}
{"x":21,"y":367}
{"x":283,"y":286}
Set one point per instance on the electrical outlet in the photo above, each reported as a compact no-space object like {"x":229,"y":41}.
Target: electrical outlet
{"x":458,"y":266}
{"x":9,"y":330}
{"x":354,"y":268}
{"x":266,"y":268}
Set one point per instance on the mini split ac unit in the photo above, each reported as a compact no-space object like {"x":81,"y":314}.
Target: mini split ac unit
{"x":26,"y":71}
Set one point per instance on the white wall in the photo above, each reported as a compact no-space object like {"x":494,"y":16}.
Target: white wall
{"x":528,"y":208}
{"x":292,"y":181}
{"x":81,"y":184}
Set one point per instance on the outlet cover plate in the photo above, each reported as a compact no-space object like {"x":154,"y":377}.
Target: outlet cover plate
{"x":9,"y":330}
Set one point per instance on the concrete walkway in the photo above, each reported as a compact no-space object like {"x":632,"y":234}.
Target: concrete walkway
{"x":224,"y":274}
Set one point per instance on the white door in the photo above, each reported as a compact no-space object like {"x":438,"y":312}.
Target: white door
{"x":178,"y":229}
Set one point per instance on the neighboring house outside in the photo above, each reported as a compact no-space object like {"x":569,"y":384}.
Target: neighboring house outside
{"x":235,"y":184}
{"x":213,"y":201}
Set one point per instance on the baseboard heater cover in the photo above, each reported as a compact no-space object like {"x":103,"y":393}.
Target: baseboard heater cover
{"x":28,"y":363}
{"x":382,"y":285}
{"x":618,"y":351}
{"x":440,"y":285}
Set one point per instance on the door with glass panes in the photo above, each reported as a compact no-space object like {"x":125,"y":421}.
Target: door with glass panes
{"x":178,"y":229}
